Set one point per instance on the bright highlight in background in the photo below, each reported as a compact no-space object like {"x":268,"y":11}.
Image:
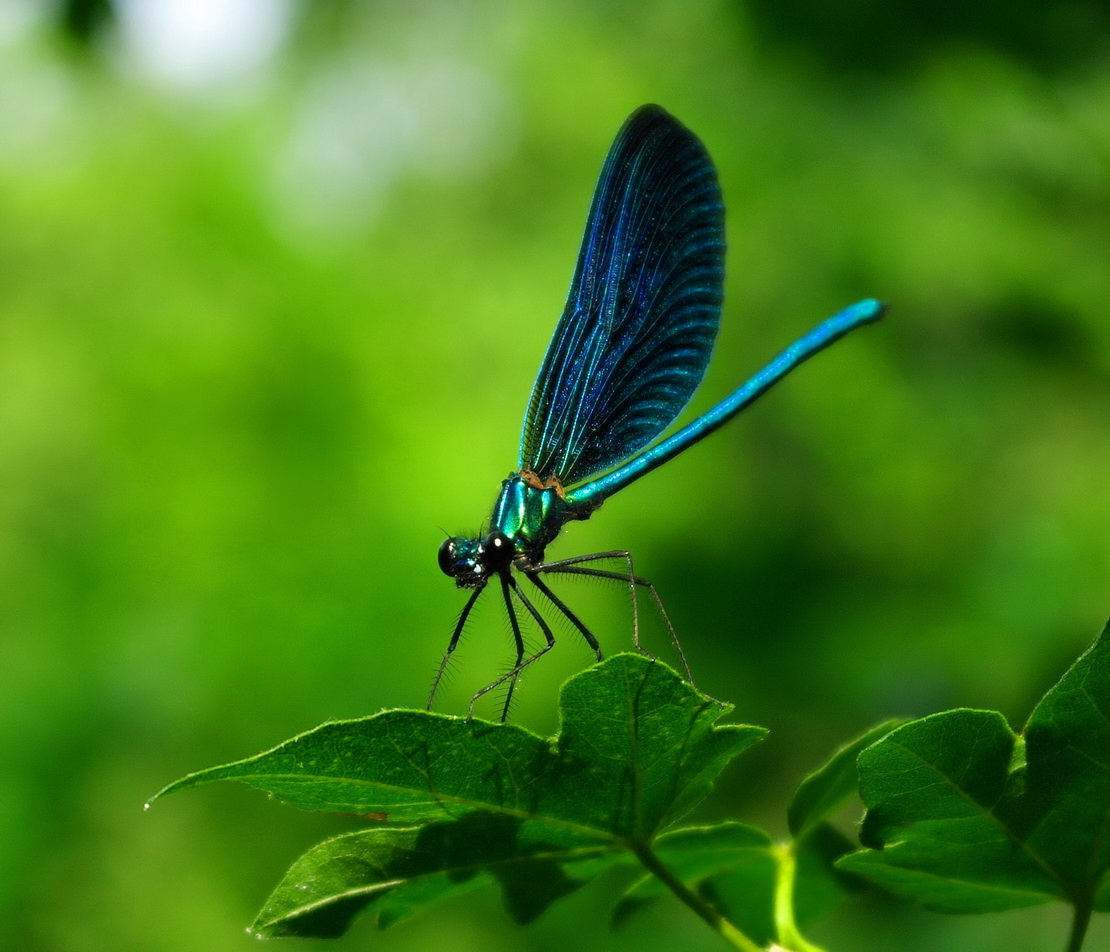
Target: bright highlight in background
{"x":194,"y":44}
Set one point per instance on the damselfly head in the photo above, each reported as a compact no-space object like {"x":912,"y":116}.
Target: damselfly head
{"x":471,"y":561}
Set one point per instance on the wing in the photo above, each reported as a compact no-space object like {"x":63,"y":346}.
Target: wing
{"x":643,"y":309}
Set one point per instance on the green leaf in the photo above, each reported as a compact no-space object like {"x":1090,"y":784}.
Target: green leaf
{"x":775,"y":891}
{"x":963,"y":817}
{"x":695,"y":854}
{"x":1066,"y":822}
{"x":638,"y":748}
{"x":938,"y":792}
{"x":824,"y":790}
{"x":400,"y":871}
{"x":743,"y":888}
{"x":337,"y":880}
{"x":769,"y":891}
{"x":819,"y":886}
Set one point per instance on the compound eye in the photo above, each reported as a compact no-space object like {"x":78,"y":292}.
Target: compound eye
{"x":448,"y":557}
{"x":497,"y":550}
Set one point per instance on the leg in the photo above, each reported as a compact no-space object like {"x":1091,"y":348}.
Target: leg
{"x":517,"y":638}
{"x":573,"y":618}
{"x":508,"y":582}
{"x":459,"y":625}
{"x":568,"y":566}
{"x":574,"y":566}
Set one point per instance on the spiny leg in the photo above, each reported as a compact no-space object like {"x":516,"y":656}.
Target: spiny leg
{"x":506,"y":578}
{"x":459,"y":625}
{"x":573,"y":566}
{"x":573,"y":618}
{"x":568,"y":566}
{"x":508,"y":582}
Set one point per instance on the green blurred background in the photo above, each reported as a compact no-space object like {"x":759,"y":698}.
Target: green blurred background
{"x":275,"y":280}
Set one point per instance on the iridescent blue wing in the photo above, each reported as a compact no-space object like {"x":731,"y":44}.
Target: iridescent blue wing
{"x":644,"y":305}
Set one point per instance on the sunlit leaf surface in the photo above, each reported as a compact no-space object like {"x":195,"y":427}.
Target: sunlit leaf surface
{"x":966,"y":816}
{"x":637,"y":749}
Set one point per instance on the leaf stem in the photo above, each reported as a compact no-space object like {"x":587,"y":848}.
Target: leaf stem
{"x":1079,"y":923}
{"x":785,"y":926}
{"x":711,"y":916}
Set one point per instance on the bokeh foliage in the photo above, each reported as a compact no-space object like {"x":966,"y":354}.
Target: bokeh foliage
{"x":240,"y":403}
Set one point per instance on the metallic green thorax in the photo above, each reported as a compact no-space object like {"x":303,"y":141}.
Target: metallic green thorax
{"x":532,"y":516}
{"x":526,"y":517}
